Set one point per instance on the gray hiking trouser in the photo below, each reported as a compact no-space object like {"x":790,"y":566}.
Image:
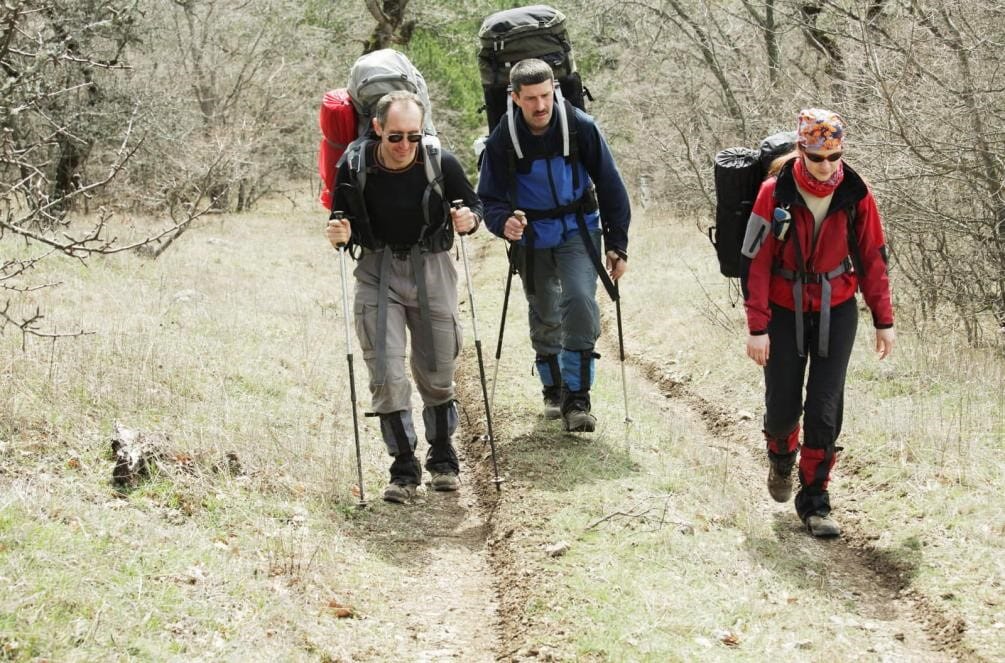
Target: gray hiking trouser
{"x":432,"y":357}
{"x":562,"y":312}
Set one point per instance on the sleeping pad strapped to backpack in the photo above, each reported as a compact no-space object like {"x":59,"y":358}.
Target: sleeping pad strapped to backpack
{"x":739,"y":172}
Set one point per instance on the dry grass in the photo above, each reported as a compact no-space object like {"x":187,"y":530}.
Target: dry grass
{"x":232,"y":343}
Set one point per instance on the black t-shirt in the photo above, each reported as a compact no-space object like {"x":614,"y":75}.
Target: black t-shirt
{"x":394,"y":197}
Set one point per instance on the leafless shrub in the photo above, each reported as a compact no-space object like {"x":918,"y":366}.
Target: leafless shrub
{"x":52,"y":53}
{"x":919,"y":82}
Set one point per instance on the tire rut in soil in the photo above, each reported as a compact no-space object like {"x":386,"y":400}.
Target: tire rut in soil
{"x":886,"y":580}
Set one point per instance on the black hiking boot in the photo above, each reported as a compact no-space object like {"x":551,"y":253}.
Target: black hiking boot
{"x":576,"y":412}
{"x":780,"y":476}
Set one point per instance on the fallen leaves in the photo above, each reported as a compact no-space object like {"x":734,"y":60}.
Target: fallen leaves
{"x":341,"y":611}
{"x":727,"y":637}
{"x":730,"y":640}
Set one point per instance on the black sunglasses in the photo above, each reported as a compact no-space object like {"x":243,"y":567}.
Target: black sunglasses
{"x":819,"y":158}
{"x":398,"y":137}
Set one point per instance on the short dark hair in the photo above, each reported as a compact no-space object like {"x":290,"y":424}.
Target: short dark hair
{"x":383,"y":105}
{"x":530,"y":72}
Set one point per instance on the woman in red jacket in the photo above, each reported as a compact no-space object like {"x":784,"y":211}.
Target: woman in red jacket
{"x":814,"y":237}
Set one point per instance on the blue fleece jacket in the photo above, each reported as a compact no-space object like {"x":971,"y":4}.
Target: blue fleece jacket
{"x":544,"y":181}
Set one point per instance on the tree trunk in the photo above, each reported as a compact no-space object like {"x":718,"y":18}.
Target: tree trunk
{"x":391,"y":28}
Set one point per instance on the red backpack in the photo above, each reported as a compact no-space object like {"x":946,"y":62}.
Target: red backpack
{"x":338,"y":126}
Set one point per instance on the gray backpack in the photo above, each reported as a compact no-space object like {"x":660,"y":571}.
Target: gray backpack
{"x":372,"y":76}
{"x":375,"y":74}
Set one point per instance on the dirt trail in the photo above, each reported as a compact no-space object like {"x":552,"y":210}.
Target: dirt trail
{"x":511,"y":523}
{"x":447,"y":606}
{"x":878,"y":584}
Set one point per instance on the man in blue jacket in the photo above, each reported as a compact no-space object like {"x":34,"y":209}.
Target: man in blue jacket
{"x":549,"y":185}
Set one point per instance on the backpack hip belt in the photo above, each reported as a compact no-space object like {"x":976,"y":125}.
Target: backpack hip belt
{"x":585,"y":204}
{"x":799,"y":279}
{"x":431,"y":244}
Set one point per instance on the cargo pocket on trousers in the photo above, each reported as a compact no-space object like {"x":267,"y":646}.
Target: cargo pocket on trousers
{"x":366,"y":329}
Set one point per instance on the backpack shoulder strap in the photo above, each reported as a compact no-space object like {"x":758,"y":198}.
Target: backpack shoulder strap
{"x":432,"y":159}
{"x":355,"y":156}
{"x":432,"y":162}
{"x":564,"y":109}
{"x":570,"y":139}
{"x":511,"y":125}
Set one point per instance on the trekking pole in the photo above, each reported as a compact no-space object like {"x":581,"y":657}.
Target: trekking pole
{"x":621,"y":353}
{"x":456,"y":204}
{"x":337,"y":215}
{"x":502,"y":323}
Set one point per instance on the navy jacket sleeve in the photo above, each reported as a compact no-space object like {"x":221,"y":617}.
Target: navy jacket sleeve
{"x":612,"y":196}
{"x":493,"y":184}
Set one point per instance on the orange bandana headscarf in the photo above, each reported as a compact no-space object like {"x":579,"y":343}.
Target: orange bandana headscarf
{"x":819,"y":129}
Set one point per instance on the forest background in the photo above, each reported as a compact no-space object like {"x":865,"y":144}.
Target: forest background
{"x":180,"y":108}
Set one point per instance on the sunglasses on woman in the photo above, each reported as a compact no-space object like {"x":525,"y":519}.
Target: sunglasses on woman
{"x":398,"y":137}
{"x":819,"y":158}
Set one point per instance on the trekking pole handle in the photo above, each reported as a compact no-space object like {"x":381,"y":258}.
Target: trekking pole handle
{"x":520,"y":216}
{"x":338,"y":215}
{"x":455,"y":205}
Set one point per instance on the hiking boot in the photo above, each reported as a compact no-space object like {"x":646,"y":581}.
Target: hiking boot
{"x":780,"y":476}
{"x":399,"y":493}
{"x":445,"y":481}
{"x":823,"y":526}
{"x":578,"y":421}
{"x":552,"y":402}
{"x":576,"y":412}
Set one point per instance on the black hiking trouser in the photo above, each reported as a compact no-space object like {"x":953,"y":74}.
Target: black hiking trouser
{"x":822,"y":409}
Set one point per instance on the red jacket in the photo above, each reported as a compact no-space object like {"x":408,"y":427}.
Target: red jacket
{"x":764,"y":252}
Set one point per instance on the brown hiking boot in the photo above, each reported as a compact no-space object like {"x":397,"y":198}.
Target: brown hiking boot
{"x":398,"y":493}
{"x":780,"y":476}
{"x":444,"y":481}
{"x":823,"y":526}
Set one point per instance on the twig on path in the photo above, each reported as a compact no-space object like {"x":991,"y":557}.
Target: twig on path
{"x":642,"y":514}
{"x":616,"y":514}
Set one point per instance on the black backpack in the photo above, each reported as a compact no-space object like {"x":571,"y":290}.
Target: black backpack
{"x":739,"y":172}
{"x":537,"y":31}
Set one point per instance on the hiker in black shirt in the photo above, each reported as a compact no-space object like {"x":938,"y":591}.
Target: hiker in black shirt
{"x":397,"y":190}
